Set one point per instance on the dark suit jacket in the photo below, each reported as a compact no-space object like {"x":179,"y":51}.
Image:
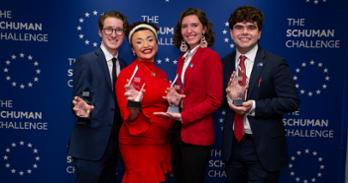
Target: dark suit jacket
{"x":203,"y":90}
{"x":90,"y":137}
{"x":272,"y":88}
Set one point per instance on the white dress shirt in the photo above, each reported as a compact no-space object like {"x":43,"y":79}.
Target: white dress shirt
{"x":108,"y":58}
{"x":188,"y":57}
{"x":249,"y":63}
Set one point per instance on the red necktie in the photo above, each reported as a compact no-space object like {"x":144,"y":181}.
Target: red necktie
{"x":238,"y":119}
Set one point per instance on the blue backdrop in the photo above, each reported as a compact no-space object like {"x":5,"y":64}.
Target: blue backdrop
{"x":39,"y":41}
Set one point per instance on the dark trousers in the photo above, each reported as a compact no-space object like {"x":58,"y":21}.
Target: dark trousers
{"x":189,"y":161}
{"x":244,"y":165}
{"x":99,"y":171}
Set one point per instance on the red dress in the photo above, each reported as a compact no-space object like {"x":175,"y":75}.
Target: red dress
{"x":144,"y":142}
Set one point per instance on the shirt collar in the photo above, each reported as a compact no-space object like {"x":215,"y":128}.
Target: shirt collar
{"x":251,"y":54}
{"x":107,"y":54}
{"x":191,"y":52}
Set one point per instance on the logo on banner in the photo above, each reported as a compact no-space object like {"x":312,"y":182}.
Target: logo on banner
{"x":70,"y":168}
{"x":87,"y":16}
{"x":216,"y":165}
{"x":307,"y":127}
{"x":309,"y":69}
{"x":70,"y":71}
{"x":303,"y":33}
{"x":226,"y":36}
{"x":16,"y":28}
{"x":315,"y":1}
{"x":14,"y":74}
{"x":165,"y":33}
{"x":21,"y":150}
{"x":307,"y":157}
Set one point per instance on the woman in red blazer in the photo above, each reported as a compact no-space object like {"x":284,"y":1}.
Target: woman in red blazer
{"x":199,"y":75}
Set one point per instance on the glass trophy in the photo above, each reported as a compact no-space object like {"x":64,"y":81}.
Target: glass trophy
{"x":171,"y":94}
{"x":236,"y":91}
{"x":86,"y":96}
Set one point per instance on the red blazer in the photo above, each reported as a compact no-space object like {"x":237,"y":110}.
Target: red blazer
{"x":203,"y":90}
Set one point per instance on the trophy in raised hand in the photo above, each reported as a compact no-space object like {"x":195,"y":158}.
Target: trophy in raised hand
{"x":236,"y":89}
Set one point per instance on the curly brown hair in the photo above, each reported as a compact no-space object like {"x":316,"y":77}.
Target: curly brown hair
{"x":248,"y":14}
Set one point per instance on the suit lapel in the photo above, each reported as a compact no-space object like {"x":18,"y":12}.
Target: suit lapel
{"x":102,"y":64}
{"x":231,"y":66}
{"x":256,"y":71}
{"x":179,"y":67}
{"x":194,"y":61}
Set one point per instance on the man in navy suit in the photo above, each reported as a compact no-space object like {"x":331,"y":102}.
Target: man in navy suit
{"x":93,"y":144}
{"x":255,"y":149}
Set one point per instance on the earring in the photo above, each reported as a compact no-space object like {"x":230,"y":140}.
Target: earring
{"x":183,"y":46}
{"x":203,"y":43}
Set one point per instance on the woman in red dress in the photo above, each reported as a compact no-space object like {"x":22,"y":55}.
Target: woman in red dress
{"x":143,"y":137}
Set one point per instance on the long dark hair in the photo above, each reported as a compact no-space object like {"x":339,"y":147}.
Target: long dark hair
{"x":209,"y":35}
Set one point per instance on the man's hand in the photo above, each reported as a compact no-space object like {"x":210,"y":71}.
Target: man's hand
{"x":234,"y":89}
{"x":81,"y":108}
{"x":243,"y":109}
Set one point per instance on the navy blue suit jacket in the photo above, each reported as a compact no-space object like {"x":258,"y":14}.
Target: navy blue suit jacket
{"x":90,"y":136}
{"x":273,"y":89}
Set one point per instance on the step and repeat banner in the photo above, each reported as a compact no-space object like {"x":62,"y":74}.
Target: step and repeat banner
{"x":40,"y":40}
